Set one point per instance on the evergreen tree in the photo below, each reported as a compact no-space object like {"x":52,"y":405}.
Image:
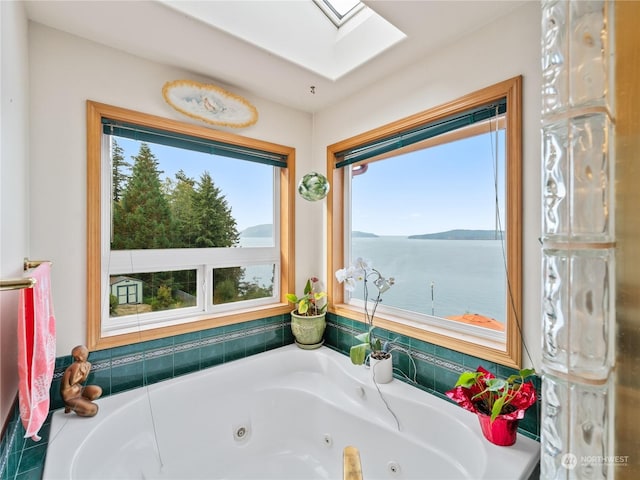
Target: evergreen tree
{"x":118,"y":177}
{"x":216,"y":227}
{"x":175,"y":214}
{"x":144,"y":219}
{"x":181,"y":201}
{"x":213,"y":222}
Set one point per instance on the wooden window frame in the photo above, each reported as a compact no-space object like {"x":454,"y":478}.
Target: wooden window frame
{"x":95,"y":339}
{"x":509,"y":353}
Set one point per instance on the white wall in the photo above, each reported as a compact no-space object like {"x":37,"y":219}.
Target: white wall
{"x":65,"y":72}
{"x":508,"y":48}
{"x":13,"y":191}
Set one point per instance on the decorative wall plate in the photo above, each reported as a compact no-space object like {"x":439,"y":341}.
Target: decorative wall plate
{"x":209,"y":103}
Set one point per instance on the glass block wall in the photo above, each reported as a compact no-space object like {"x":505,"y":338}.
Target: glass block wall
{"x":578,"y":318}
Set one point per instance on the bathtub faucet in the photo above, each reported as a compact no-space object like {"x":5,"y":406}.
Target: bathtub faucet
{"x":352,"y":468}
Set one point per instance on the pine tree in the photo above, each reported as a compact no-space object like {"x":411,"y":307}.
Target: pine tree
{"x":144,"y":219}
{"x":213,"y":221}
{"x":181,"y":201}
{"x":216,"y":227}
{"x":118,"y":177}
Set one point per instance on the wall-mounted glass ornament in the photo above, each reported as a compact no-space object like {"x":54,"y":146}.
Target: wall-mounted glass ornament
{"x":313,"y":186}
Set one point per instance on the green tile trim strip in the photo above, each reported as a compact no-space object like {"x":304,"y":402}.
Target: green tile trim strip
{"x":16,"y":452}
{"x":172,"y":349}
{"x":444,"y":370}
{"x":8,"y":441}
{"x":23,"y":459}
{"x":433,"y":359}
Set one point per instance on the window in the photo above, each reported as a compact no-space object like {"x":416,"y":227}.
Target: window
{"x":434,"y":200}
{"x":339,"y":11}
{"x":187,"y":227}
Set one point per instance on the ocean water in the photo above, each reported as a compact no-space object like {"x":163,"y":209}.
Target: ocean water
{"x":468,"y":276}
{"x":439,"y":277}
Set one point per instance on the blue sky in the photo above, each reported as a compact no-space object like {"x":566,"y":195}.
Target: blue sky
{"x":247,"y":186}
{"x":442,"y":188}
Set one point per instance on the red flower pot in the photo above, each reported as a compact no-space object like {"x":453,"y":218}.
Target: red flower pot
{"x":502,"y":431}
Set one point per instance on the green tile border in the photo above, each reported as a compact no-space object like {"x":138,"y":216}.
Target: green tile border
{"x":434,"y":368}
{"x":22,"y":458}
{"x":132,"y":366}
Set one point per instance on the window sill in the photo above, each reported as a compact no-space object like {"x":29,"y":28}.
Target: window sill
{"x":462,"y":340}
{"x":187,"y":324}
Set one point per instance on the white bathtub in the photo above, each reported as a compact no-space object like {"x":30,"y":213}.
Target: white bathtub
{"x":284,"y":414}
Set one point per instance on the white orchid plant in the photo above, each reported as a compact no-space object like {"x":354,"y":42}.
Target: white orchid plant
{"x":362,"y":270}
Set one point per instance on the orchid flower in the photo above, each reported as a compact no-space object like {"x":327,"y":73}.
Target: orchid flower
{"x":361,"y":270}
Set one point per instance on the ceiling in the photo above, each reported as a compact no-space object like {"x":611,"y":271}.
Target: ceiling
{"x":182,"y":34}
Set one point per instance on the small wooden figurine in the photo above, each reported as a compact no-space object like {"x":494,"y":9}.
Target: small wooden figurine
{"x":78,"y":397}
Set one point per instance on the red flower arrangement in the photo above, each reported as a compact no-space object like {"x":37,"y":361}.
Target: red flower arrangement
{"x":481,"y":392}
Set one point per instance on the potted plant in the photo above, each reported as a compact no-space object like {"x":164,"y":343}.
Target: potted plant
{"x":498,"y":403}
{"x":380,"y":359}
{"x":308,"y":319}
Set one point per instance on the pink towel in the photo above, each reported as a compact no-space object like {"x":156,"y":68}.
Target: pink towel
{"x":36,"y":350}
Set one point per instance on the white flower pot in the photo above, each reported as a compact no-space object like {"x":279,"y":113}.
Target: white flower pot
{"x":382,"y":370}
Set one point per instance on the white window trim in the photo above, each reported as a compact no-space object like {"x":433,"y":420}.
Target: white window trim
{"x":339,"y":21}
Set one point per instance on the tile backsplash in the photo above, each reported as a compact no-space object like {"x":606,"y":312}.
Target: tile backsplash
{"x":435,"y":369}
{"x":132,"y":366}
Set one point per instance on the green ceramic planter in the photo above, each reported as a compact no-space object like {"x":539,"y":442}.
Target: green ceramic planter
{"x":308,"y":331}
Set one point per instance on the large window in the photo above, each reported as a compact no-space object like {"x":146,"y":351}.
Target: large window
{"x":188,"y":227}
{"x":434,"y":200}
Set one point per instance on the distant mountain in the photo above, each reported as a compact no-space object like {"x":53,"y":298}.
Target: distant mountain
{"x":460,"y":235}
{"x":356,"y":234}
{"x":265,"y":230}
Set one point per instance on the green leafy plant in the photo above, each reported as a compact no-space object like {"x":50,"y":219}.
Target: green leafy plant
{"x":362,"y":270}
{"x":313,"y":301}
{"x":481,"y":391}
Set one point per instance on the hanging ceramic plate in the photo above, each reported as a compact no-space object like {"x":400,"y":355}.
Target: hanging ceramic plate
{"x":209,"y":103}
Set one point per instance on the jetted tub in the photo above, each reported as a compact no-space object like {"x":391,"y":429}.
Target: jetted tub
{"x":284,"y":414}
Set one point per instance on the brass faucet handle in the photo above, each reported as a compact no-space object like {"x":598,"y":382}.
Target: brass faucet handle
{"x":352,"y":468}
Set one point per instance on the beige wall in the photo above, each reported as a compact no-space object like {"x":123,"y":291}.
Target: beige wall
{"x":65,"y":71}
{"x":14,"y":83}
{"x":497,"y":52}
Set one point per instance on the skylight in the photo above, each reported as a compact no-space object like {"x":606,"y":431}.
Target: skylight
{"x":299,"y":32}
{"x":339,"y":11}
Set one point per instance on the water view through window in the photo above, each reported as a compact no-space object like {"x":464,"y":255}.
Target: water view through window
{"x":433,"y":218}
{"x":429,"y":282}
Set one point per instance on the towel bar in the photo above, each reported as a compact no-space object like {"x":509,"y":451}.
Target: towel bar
{"x":17,"y":283}
{"x":20,"y":283}
{"x":29,"y":264}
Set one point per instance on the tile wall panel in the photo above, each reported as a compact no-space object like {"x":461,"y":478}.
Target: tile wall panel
{"x":434,"y":368}
{"x":426,"y":366}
